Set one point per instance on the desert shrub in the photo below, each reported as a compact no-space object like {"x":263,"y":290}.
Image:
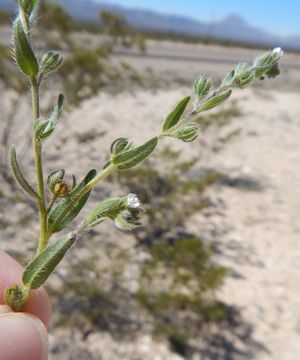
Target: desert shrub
{"x":5,"y":17}
{"x":174,"y":296}
{"x":177,"y":288}
{"x":85,"y":72}
{"x":116,"y":26}
{"x":55,"y":17}
{"x":141,"y":43}
{"x":99,"y":303}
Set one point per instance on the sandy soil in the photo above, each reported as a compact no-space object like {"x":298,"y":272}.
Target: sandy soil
{"x":261,"y":242}
{"x":262,"y":210}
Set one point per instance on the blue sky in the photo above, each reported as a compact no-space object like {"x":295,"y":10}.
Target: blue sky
{"x":279,"y":16}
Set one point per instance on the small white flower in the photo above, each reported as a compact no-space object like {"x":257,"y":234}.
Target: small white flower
{"x":278,"y":52}
{"x":133,"y":201}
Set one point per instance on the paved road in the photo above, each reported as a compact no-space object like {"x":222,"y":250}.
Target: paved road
{"x":220,"y":57}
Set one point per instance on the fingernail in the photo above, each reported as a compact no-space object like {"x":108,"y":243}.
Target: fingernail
{"x":23,"y":336}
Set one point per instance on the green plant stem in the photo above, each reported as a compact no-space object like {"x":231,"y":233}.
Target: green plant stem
{"x":39,"y":169}
{"x":104,"y":174}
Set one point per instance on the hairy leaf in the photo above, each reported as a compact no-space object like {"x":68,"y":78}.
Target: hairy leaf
{"x":108,"y":208}
{"x":216,"y":100}
{"x":128,"y":159}
{"x":39,"y":269}
{"x":175,"y":115}
{"x":24,"y":55}
{"x":18,"y":174}
{"x":46,"y":127}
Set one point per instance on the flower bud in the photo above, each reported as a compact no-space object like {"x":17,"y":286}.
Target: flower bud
{"x":128,"y":219}
{"x":54,"y":178}
{"x":201,"y":87}
{"x":277,"y":54}
{"x":267,"y":61}
{"x":125,"y":212}
{"x":50,"y":62}
{"x":243,"y":75}
{"x":120,"y":145}
{"x":61,"y":188}
{"x":187,"y":132}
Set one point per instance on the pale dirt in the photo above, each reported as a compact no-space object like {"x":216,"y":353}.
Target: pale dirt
{"x":261,"y":242}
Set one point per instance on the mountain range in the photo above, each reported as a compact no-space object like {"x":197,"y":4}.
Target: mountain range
{"x":232,"y":27}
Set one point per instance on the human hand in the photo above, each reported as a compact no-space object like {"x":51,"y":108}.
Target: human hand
{"x":23,"y":336}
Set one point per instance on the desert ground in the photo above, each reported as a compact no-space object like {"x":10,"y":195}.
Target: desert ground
{"x":255,"y":217}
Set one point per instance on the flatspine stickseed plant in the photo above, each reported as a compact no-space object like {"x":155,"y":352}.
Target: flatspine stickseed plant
{"x":60,"y":202}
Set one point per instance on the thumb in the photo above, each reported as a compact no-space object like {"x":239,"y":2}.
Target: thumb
{"x":23,"y":336}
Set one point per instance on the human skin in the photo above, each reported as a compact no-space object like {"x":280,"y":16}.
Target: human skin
{"x":22,"y":335}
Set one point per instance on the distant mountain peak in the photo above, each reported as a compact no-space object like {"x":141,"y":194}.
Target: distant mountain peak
{"x":234,"y":20}
{"x":232,"y":27}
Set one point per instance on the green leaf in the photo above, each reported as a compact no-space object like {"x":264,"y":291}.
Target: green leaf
{"x":175,"y":115}
{"x":34,"y":14}
{"x":128,"y":159}
{"x":216,"y":100}
{"x":108,"y":208}
{"x":18,"y":174}
{"x":40,"y":268}
{"x":59,"y":217}
{"x":45,"y":128}
{"x":228,"y":79}
{"x":24,"y":55}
